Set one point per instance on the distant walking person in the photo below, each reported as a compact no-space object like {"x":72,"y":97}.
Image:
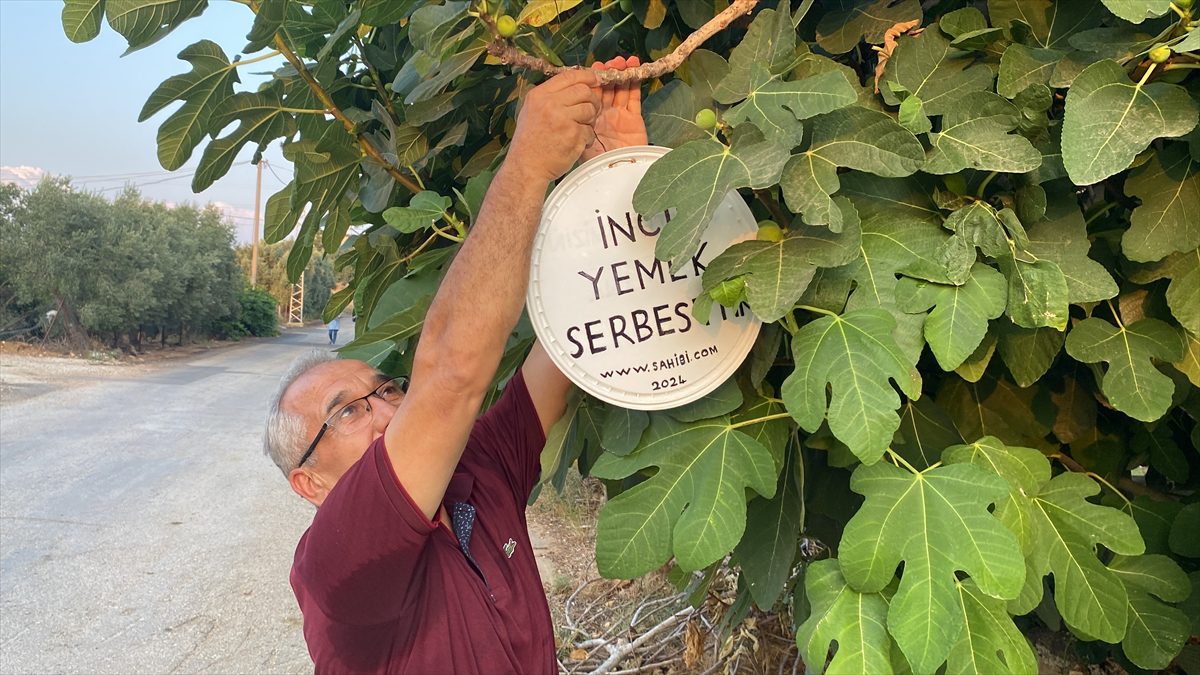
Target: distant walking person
{"x":333,"y":329}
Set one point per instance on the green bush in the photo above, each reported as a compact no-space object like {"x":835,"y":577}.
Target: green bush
{"x":258,"y":313}
{"x":319,"y":277}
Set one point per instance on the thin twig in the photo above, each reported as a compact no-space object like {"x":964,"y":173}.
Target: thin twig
{"x":646,"y":667}
{"x":773,"y":207}
{"x":375,"y":79}
{"x":432,"y":238}
{"x":1069,"y":462}
{"x":1125,"y":483}
{"x":368,"y":147}
{"x":654,"y":603}
{"x":571,"y":599}
{"x":510,"y":55}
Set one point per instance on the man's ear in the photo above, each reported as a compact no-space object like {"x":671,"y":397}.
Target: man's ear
{"x":308,"y":485}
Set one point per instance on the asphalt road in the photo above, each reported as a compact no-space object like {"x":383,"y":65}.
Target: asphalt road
{"x":141,"y":527}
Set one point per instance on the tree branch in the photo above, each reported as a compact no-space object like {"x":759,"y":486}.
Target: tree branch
{"x":774,"y":207}
{"x":510,"y":55}
{"x":1124,"y":482}
{"x":368,"y":148}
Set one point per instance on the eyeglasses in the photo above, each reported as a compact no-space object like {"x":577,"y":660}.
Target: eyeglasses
{"x":355,"y":415}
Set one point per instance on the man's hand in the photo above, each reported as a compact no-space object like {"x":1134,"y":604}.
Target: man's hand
{"x":555,"y":125}
{"x":620,"y":121}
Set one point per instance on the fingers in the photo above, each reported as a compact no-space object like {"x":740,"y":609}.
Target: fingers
{"x":594,"y":100}
{"x":597,"y":89}
{"x":579,"y":94}
{"x":627,"y":96}
{"x":621,"y":91}
{"x":571,"y":77}
{"x":583,"y":113}
{"x":610,"y":92}
{"x":634,"y":103}
{"x":585,"y":143}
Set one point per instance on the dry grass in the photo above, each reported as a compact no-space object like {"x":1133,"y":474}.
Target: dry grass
{"x":645,"y":625}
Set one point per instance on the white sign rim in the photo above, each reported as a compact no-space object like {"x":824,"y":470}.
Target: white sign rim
{"x":663,"y":400}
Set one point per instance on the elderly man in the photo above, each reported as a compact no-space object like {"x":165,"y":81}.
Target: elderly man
{"x":418,"y":557}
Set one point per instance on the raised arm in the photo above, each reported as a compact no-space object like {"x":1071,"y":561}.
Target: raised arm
{"x":618,"y":125}
{"x":483,"y":292}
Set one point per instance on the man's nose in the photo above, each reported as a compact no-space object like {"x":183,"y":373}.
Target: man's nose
{"x":381,"y":413}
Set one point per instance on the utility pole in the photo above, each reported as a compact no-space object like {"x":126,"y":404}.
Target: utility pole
{"x":254,"y":237}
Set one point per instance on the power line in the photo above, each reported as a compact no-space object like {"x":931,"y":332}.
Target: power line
{"x":171,"y":175}
{"x":153,"y":182}
{"x":168,"y":176}
{"x":116,"y":176}
{"x":271,"y":168}
{"x":109,"y":177}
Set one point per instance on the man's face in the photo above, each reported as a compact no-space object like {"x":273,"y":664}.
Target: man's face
{"x":315,"y":396}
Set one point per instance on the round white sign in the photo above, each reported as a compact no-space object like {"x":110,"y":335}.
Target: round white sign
{"x":616,"y":320}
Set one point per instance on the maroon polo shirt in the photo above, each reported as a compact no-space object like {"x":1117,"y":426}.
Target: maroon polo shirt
{"x":384,"y":589}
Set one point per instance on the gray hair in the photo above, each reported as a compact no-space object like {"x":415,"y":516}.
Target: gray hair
{"x":284,"y":439}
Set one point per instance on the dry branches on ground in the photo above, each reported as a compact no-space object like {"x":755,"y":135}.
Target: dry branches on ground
{"x":605,"y":631}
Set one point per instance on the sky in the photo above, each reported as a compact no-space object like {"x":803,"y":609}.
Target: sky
{"x":71,"y":109}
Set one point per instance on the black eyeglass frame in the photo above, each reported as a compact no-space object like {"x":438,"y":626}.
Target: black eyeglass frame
{"x":402,"y":382}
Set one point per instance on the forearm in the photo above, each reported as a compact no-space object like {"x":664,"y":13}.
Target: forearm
{"x":482,"y":295}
